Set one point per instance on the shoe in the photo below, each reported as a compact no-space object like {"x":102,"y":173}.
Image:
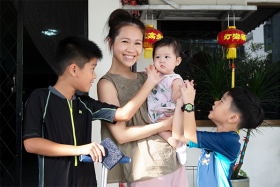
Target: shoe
{"x":182,"y":154}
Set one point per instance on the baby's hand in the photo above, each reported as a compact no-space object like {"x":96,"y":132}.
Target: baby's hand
{"x":188,"y":92}
{"x":153,"y":75}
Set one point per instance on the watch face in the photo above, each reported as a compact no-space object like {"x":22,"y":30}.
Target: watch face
{"x":189,"y":107}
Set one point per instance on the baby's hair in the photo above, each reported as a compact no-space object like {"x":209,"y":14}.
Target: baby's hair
{"x":248,"y":106}
{"x":117,"y":20}
{"x":75,"y":49}
{"x":169,"y":41}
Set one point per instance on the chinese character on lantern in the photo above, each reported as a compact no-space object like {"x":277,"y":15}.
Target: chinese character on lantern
{"x":231,"y":38}
{"x":151,"y":36}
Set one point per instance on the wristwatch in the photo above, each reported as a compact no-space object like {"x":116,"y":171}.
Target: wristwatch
{"x":188,"y":107}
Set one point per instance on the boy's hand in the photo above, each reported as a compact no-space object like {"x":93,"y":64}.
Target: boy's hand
{"x":94,"y":150}
{"x":191,"y":83}
{"x":153,"y":75}
{"x":188,"y":92}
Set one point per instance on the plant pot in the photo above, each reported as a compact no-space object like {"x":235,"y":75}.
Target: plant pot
{"x":241,"y":182}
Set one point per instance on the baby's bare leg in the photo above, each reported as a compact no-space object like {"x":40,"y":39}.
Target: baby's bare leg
{"x":167,"y":135}
{"x":181,"y":148}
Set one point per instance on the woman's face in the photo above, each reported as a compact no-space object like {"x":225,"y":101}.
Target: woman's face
{"x":128,"y":46}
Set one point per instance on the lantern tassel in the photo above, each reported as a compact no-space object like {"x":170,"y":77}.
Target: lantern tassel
{"x":231,"y":53}
{"x":233,"y":74}
{"x":148,"y":53}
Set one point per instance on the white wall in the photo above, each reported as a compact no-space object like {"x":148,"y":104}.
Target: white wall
{"x":98,"y":13}
{"x":261,"y":161}
{"x":258,"y":37}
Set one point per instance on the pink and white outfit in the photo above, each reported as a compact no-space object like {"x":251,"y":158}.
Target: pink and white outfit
{"x":160,"y":99}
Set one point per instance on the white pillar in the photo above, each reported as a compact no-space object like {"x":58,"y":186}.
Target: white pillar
{"x":98,"y":13}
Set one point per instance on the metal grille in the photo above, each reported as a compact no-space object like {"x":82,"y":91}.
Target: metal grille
{"x":8,"y":70}
{"x":191,"y":174}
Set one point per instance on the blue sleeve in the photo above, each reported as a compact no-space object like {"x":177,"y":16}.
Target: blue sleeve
{"x":225,"y":143}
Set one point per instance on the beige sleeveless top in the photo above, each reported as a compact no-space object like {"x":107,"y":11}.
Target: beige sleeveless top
{"x":150,"y":157}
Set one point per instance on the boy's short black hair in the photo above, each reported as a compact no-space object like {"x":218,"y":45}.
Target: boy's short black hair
{"x":75,"y":49}
{"x":169,"y":41}
{"x":248,"y":106}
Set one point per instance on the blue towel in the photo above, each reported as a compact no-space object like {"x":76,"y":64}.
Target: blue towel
{"x":113,"y":154}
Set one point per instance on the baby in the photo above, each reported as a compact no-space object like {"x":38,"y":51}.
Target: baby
{"x":167,"y":55}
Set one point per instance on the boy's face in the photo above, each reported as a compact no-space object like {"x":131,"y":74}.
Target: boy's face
{"x":221,"y":112}
{"x":86,"y":75}
{"x":165,"y":60}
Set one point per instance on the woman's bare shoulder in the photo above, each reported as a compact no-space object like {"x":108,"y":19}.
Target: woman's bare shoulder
{"x":106,"y":91}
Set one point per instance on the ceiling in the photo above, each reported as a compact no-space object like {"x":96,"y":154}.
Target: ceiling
{"x":247,"y":17}
{"x":194,"y":12}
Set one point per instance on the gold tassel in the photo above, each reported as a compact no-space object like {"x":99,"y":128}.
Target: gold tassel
{"x":231,"y":53}
{"x":148,"y":53}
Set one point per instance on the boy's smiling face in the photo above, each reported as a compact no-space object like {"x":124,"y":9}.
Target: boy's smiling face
{"x":86,"y":75}
{"x":221,"y":112}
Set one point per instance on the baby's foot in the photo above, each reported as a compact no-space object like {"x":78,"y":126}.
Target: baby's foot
{"x":182,"y":154}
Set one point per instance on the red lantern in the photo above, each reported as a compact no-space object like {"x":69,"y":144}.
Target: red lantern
{"x":151,"y":36}
{"x":231,"y":39}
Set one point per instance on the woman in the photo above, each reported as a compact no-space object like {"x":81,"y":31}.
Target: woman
{"x":154,"y":161}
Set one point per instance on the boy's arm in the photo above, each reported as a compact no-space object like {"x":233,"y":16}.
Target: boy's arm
{"x":188,"y":95}
{"x":46,"y":147}
{"x":177,"y":125}
{"x":126,"y":112}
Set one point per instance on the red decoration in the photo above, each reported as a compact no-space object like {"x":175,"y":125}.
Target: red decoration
{"x":151,"y":36}
{"x":231,"y":38}
{"x":125,"y":2}
{"x":133,"y":2}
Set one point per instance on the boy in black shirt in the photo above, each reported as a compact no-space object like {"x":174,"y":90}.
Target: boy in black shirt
{"x":57,"y":123}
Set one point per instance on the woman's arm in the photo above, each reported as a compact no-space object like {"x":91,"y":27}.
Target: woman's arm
{"x":126,"y":112}
{"x":108,"y":93}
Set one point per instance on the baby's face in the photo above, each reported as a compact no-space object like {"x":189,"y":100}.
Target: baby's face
{"x":165,"y":60}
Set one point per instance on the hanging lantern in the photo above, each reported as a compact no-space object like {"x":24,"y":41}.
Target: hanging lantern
{"x":231,"y":38}
{"x":151,"y":36}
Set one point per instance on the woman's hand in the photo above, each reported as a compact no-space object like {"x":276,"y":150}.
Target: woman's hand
{"x":166,"y":121}
{"x":167,"y":124}
{"x":153,"y":75}
{"x":93,"y":149}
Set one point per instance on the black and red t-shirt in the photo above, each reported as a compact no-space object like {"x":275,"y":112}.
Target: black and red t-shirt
{"x":48,"y":114}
